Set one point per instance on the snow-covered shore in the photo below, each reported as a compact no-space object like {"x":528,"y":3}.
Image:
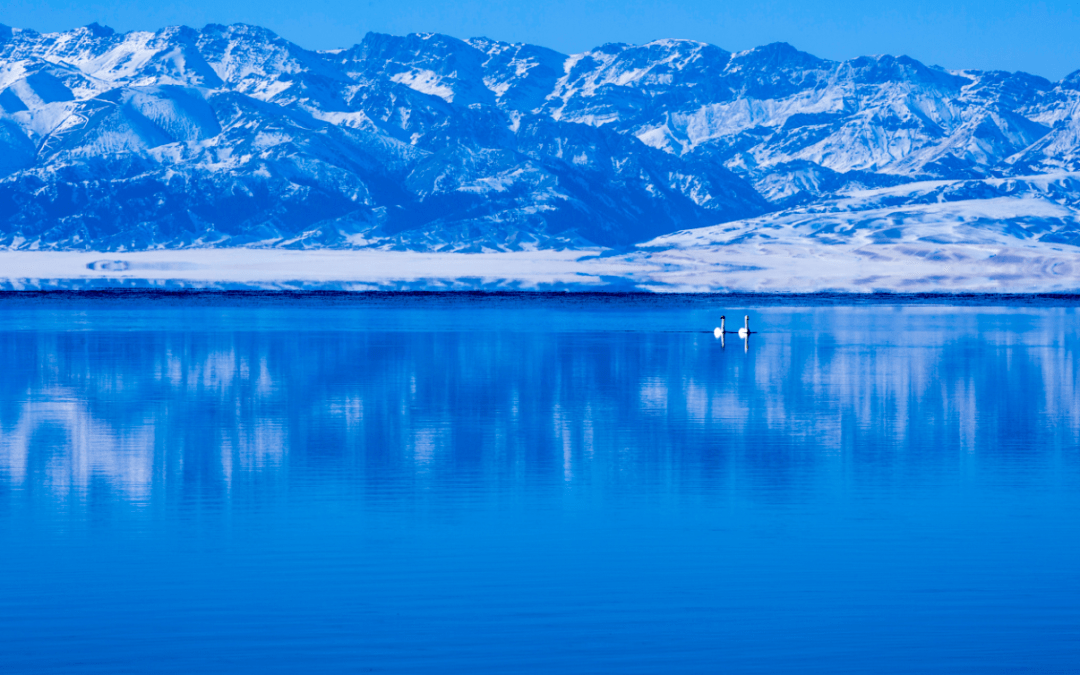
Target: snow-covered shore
{"x":682,"y":266}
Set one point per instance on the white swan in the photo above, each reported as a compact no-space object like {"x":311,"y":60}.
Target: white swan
{"x":745,"y":330}
{"x":717,"y":332}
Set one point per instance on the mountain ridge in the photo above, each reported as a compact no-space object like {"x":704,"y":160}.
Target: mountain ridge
{"x":234,"y":136}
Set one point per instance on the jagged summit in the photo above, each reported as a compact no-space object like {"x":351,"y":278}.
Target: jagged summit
{"x":1071,"y":81}
{"x":779,"y":55}
{"x":97,"y":30}
{"x":232,"y":135}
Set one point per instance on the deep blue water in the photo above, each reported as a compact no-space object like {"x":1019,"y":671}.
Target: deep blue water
{"x":571,"y":484}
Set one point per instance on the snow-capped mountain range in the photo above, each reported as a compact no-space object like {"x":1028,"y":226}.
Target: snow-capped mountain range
{"x":233,"y":136}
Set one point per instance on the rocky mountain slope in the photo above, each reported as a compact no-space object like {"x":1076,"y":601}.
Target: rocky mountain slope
{"x":233,"y":136}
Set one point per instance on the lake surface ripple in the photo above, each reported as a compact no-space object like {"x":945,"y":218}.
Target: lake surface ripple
{"x":537,"y":484}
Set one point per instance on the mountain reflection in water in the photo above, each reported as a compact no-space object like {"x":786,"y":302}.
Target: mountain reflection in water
{"x":538,"y":483}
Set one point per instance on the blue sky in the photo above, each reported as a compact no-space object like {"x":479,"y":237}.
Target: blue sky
{"x":1041,"y":38}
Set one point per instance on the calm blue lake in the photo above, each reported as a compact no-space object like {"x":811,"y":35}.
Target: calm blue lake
{"x":223,"y":483}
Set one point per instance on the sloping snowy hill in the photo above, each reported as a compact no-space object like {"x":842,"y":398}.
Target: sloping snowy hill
{"x":233,"y":136}
{"x":1002,"y":212}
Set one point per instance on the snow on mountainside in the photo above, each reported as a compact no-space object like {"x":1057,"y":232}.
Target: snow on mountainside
{"x":233,"y":136}
{"x":996,"y":213}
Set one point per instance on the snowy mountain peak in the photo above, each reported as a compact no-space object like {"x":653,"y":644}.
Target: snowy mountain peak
{"x":97,"y":30}
{"x":776,"y":55}
{"x":1071,"y":81}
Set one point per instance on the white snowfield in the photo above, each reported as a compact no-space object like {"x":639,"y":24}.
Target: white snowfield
{"x":764,"y":267}
{"x":1002,"y":244}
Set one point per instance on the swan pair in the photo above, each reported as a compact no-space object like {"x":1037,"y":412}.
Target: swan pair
{"x":743,"y":332}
